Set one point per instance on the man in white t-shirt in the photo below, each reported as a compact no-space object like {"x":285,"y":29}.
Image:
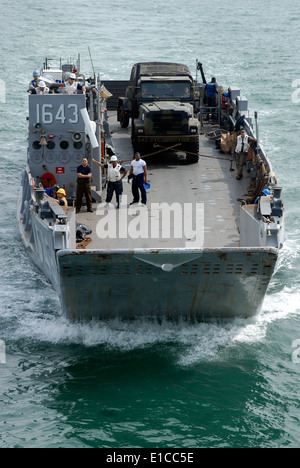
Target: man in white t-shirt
{"x":138,"y":174}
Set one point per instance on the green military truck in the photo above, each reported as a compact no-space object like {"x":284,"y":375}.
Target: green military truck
{"x":159,"y":101}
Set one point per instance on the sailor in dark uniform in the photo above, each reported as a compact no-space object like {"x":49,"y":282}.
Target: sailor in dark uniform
{"x":84,"y":174}
{"x":211,"y":93}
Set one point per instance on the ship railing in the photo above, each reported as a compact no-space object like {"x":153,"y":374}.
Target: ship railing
{"x":261,"y":155}
{"x":213,"y":112}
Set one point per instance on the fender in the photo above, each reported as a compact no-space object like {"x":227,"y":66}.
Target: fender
{"x":123,"y":104}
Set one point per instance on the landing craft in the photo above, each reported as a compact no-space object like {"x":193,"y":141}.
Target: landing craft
{"x":187,"y":141}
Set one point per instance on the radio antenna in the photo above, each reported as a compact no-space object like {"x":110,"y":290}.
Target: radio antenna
{"x":91,"y":61}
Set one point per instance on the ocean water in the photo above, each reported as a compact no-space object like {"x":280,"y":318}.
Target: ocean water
{"x":120,"y":384}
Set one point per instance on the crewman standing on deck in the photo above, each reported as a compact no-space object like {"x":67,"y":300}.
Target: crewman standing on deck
{"x":115,"y":174}
{"x":241,"y":151}
{"x":138,"y":174}
{"x":211,"y":93}
{"x":84,"y":178}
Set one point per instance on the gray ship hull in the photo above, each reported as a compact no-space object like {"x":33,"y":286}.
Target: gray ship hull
{"x":200,"y":284}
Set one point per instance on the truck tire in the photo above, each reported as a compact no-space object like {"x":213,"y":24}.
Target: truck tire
{"x":192,"y":152}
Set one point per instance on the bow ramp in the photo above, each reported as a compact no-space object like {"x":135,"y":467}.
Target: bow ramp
{"x":210,"y":283}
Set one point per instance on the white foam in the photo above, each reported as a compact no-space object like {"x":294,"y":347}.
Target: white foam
{"x":189,"y":342}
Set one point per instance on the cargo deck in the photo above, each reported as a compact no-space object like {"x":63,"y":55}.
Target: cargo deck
{"x":209,"y":181}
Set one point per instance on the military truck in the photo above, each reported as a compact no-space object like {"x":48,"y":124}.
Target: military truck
{"x":159,"y":101}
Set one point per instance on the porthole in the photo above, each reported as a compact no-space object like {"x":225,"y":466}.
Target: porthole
{"x":50,"y":145}
{"x":77,"y":145}
{"x":36,"y":145}
{"x":64,"y":145}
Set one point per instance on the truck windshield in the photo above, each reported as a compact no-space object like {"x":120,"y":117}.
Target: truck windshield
{"x":166,"y":90}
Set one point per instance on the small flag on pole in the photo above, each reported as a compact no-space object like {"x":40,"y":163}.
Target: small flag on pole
{"x":104,"y":92}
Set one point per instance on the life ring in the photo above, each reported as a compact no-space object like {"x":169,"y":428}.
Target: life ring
{"x":48,"y":180}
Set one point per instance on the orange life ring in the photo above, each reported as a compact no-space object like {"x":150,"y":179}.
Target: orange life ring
{"x":48,"y":180}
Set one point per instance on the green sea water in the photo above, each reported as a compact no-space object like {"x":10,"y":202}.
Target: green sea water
{"x":119,"y":384}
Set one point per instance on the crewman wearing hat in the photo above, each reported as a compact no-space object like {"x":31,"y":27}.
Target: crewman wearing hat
{"x":61,"y":194}
{"x":42,"y":88}
{"x":115,"y":174}
{"x":265,"y":192}
{"x":72,"y":86}
{"x":34,"y":83}
{"x":241,"y":151}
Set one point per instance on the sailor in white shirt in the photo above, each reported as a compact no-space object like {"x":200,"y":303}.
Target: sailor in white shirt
{"x":42,"y":88}
{"x":138,"y":173}
{"x":241,"y":151}
{"x":71,"y":86}
{"x":115,"y":175}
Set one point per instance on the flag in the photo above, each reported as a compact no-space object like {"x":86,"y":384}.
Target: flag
{"x":104,"y":92}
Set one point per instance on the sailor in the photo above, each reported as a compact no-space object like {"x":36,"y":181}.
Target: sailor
{"x":72,"y":86}
{"x":42,"y":89}
{"x":241,"y":151}
{"x":35,"y":82}
{"x":138,"y":174}
{"x":84,"y":174}
{"x":211,"y":93}
{"x":186,"y":92}
{"x":265,"y":193}
{"x":115,"y":175}
{"x":61,"y":200}
{"x":144,"y":90}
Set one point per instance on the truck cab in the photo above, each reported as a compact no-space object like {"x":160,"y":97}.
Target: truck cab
{"x":160,"y":102}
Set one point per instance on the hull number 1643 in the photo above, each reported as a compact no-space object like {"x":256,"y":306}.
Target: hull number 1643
{"x":46,"y":115}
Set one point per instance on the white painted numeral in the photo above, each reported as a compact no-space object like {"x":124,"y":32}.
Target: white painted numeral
{"x":47,"y":116}
{"x":75,"y":113}
{"x":61,"y":114}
